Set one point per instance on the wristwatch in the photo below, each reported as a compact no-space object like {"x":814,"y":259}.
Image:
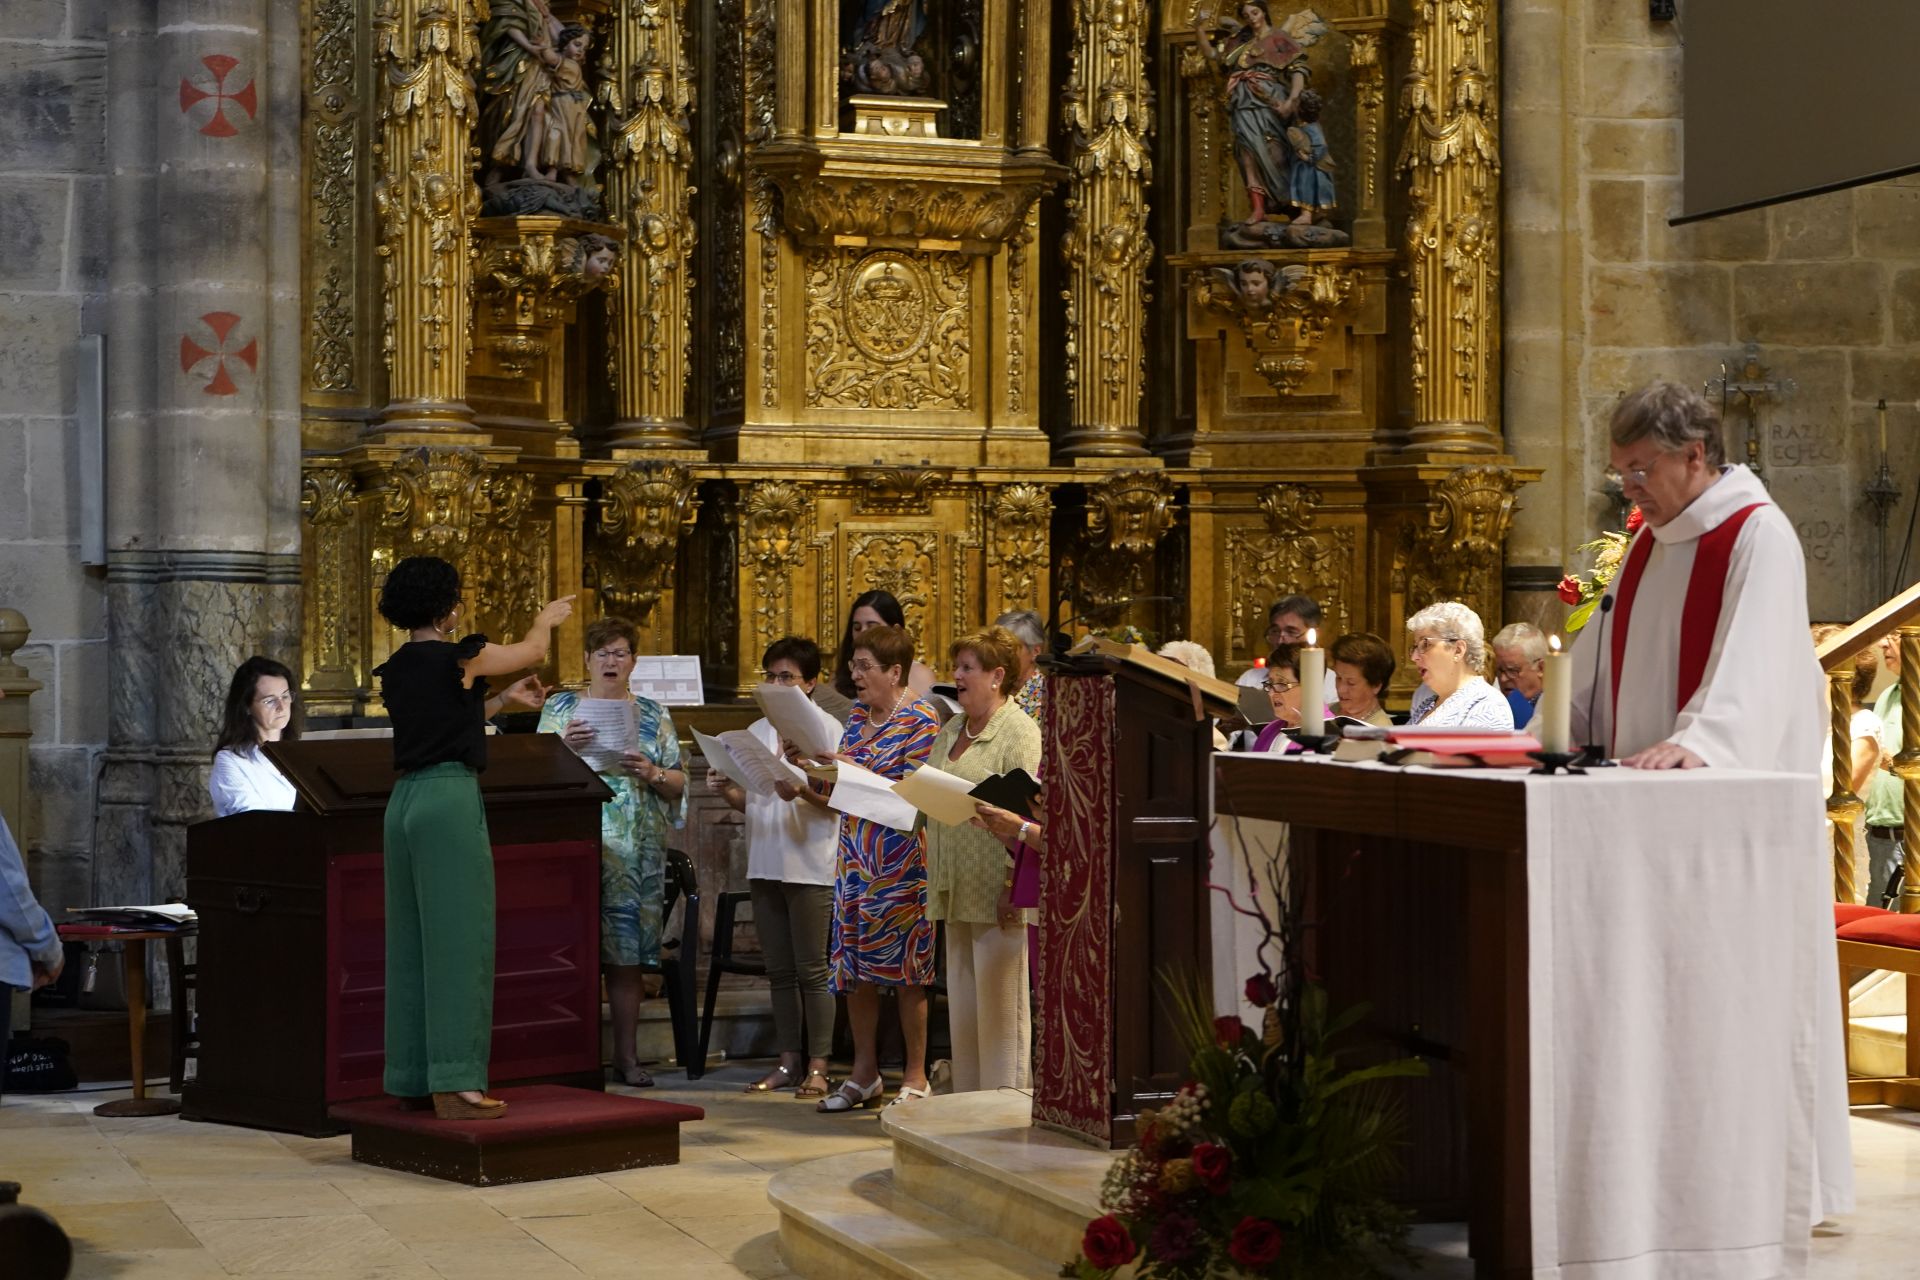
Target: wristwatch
{"x":1022,"y":836}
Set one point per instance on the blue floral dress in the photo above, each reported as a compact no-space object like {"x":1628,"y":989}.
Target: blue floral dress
{"x":633,"y":836}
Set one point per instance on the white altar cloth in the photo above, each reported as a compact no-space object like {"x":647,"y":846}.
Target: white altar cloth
{"x":1686,"y":1070}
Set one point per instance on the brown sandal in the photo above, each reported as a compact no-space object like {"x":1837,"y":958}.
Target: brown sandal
{"x":451,"y":1106}
{"x":808,"y":1089}
{"x":761,"y":1086}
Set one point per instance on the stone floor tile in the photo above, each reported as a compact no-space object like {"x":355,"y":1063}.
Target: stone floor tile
{"x":209,"y":1199}
{"x":148,"y":1264}
{"x":441,"y":1223}
{"x":560,"y":1198}
{"x":341,"y":1243}
{"x":125,"y":1227}
{"x":525,"y":1259}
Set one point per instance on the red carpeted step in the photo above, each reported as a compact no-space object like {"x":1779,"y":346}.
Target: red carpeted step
{"x":548,"y":1132}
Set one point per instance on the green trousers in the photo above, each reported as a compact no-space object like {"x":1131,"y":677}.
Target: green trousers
{"x":439,"y":866}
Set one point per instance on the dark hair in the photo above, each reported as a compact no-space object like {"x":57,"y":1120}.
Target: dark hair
{"x":605,"y":629}
{"x":419,"y":591}
{"x":569,"y":33}
{"x":1308,"y":106}
{"x":800,"y":651}
{"x":237,"y":729}
{"x":882,"y":603}
{"x":1286,"y":657}
{"x":1368,"y":652}
{"x":994,"y":647}
{"x":1306,"y":608}
{"x":890,"y":647}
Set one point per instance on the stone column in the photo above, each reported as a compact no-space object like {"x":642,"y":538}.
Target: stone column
{"x":1107,"y":108}
{"x":202,"y":132}
{"x":649,"y":152}
{"x":424,"y":199}
{"x":1451,"y":156}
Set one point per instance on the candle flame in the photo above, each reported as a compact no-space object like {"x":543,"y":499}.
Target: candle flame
{"x":1312,"y":637}
{"x":1553,"y":643}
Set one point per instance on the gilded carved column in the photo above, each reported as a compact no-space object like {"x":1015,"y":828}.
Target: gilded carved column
{"x":1451,"y":157}
{"x":1906,"y":765}
{"x":425,"y":199}
{"x":1106,"y":106}
{"x":649,"y":153}
{"x":1843,"y":807}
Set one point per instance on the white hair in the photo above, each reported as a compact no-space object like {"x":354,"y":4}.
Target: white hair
{"x":1189,"y":654}
{"x":1452,"y":620}
{"x":1026,"y":626}
{"x":1525,"y":637}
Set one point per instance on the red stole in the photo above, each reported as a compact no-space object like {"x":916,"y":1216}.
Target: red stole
{"x":1699,"y":617}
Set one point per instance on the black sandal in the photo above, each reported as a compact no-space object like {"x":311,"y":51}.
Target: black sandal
{"x":761,"y":1086}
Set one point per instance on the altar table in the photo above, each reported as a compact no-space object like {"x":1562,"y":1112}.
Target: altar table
{"x":1624,"y":984}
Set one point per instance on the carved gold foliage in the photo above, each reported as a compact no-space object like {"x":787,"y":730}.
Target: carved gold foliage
{"x":645,"y":512}
{"x":1457,"y":553}
{"x":534,"y":268}
{"x":1022,"y":518}
{"x":329,"y":505}
{"x":1288,"y":555}
{"x":1283,"y":315}
{"x":763,"y":197}
{"x":431,"y":496}
{"x":330,"y":334}
{"x":888,"y":330}
{"x":904,"y":563}
{"x":1130,"y":511}
{"x":1016,"y":299}
{"x":773,"y":544}
{"x":823,"y":206}
{"x":895,"y":490}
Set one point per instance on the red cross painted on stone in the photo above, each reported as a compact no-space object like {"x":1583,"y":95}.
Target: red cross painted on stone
{"x":191,"y":95}
{"x":193,"y":354}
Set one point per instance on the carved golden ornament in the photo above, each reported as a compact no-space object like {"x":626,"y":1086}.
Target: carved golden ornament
{"x":888,"y":330}
{"x":327,"y":496}
{"x":895,"y":490}
{"x":645,"y":512}
{"x":762,"y":195}
{"x":536,"y":268}
{"x":773,"y":543}
{"x":1021,"y":519}
{"x":1459,"y":549}
{"x":906,"y":565}
{"x":1289,"y":555}
{"x":517,"y":353}
{"x":887,"y":116}
{"x":329,"y":504}
{"x":1285,"y":319}
{"x":431,"y":496}
{"x":1130,"y":511}
{"x":907,"y":213}
{"x":330,"y":334}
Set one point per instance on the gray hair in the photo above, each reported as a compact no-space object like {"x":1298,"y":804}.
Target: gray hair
{"x":1026,"y":626}
{"x":1188,"y":654}
{"x":1305,"y":608}
{"x":1670,"y":415}
{"x":1525,"y":637}
{"x":1452,"y":620}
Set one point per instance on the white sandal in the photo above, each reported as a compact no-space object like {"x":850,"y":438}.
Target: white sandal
{"x":908,"y":1094}
{"x":852,"y":1097}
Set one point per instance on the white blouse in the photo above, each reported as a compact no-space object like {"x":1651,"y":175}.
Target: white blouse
{"x":789,"y":840}
{"x":1474,"y":705}
{"x":244,"y":780}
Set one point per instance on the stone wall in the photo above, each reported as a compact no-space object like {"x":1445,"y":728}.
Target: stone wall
{"x":1603,"y":295}
{"x":53,"y":268}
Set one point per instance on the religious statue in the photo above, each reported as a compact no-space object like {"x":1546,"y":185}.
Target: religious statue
{"x":538,"y":138}
{"x":877,"y":51}
{"x":1275,"y":121}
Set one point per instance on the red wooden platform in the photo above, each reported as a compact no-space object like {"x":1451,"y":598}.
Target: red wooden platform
{"x":549,"y":1131}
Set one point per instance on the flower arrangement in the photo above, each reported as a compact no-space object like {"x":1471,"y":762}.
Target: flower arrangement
{"x":1609,"y":549}
{"x":1270,"y":1160}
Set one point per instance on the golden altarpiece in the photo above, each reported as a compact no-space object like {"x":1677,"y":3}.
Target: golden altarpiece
{"x":720,"y":313}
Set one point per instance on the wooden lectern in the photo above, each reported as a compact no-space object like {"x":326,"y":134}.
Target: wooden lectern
{"x":1123,"y":885}
{"x":292,"y":948}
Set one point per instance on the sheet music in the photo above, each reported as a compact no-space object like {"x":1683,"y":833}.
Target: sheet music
{"x":862,"y":793}
{"x":614,"y":732}
{"x":745,"y":759}
{"x":722,"y":760}
{"x":795,"y":717}
{"x":940,"y":795}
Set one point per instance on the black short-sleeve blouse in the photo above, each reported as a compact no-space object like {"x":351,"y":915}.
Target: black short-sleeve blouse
{"x":435,"y":721}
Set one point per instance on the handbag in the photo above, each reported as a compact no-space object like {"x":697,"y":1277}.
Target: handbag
{"x":42,"y":1065}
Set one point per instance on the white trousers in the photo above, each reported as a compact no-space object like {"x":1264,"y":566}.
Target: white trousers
{"x":987,"y":1006}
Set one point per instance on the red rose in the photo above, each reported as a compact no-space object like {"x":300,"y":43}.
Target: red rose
{"x":1108,"y":1244}
{"x":1635,"y":520}
{"x":1570,"y":589}
{"x":1229,"y":1031}
{"x":1261,"y":991}
{"x":1256,"y":1243}
{"x":1212,"y":1165}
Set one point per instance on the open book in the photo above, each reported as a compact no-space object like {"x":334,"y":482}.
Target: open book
{"x":164,"y":915}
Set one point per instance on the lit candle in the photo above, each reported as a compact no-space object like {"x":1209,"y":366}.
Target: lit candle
{"x":1556,"y":701}
{"x":1313,"y":684}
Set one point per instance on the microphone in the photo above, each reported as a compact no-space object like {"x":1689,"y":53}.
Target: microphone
{"x":1594,"y":753}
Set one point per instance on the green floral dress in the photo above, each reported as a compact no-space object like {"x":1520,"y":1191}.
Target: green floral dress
{"x":633,"y":836}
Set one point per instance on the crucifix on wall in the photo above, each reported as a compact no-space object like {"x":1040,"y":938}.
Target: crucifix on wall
{"x":1752,"y":384}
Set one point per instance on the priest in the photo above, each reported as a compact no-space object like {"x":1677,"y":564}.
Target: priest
{"x":1700,"y":657}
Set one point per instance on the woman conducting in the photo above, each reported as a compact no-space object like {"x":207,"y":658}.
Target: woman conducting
{"x":649,"y":797}
{"x":439,"y":862}
{"x":969,"y":874}
{"x":793,"y":839}
{"x":881,"y":934}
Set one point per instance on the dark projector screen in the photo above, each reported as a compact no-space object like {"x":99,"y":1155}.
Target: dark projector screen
{"x":1788,"y":98}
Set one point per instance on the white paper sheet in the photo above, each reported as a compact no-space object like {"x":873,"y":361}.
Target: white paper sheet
{"x":741,"y":756}
{"x":862,"y":793}
{"x":940,"y":795}
{"x":722,"y":760}
{"x":614,"y":732}
{"x":672,"y":680}
{"x":798,"y":720}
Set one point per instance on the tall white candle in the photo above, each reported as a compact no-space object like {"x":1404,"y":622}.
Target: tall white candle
{"x":1313,"y":684}
{"x":1556,"y":701}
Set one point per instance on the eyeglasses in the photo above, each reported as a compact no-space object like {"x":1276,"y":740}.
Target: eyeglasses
{"x":1510,"y":670}
{"x":1280,"y":686}
{"x":1425,"y":643}
{"x":612,"y":655}
{"x":863,"y":665}
{"x":1285,"y":635}
{"x":1635,"y":476}
{"x":276,"y":701}
{"x":780,"y":677}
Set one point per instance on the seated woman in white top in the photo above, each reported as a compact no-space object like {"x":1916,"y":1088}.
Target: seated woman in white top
{"x":1450,"y":648}
{"x":259,"y":709}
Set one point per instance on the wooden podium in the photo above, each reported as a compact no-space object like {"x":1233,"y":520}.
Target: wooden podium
{"x":292,"y":948}
{"x":1123,"y":884}
{"x":1413,"y":892}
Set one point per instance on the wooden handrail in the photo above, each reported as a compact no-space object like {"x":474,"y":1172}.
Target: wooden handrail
{"x":1838,"y":650}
